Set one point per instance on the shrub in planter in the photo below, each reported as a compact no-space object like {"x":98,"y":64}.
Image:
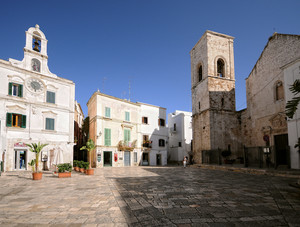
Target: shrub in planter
{"x":81,"y":166}
{"x":64,"y":170}
{"x":75,"y":165}
{"x":88,"y":170}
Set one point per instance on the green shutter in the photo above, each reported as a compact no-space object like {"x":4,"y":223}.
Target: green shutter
{"x":126,"y":136}
{"x":20,"y":90}
{"x":107,"y":137}
{"x":10,"y":88}
{"x":107,"y":112}
{"x":50,"y":97}
{"x":23,"y":122}
{"x":127,"y":116}
{"x":8,"y":119}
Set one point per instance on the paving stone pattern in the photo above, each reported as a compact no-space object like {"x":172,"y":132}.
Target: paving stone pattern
{"x":149,"y":196}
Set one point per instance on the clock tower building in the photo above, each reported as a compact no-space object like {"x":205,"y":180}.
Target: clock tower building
{"x":38,"y":106}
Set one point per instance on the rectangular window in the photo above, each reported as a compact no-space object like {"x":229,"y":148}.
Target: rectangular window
{"x":126,"y":136}
{"x":135,"y":156}
{"x":127,"y":116}
{"x":179,"y":144}
{"x":161,"y":142}
{"x":174,"y":127}
{"x":107,"y":137}
{"x":145,"y":120}
{"x":50,"y":97}
{"x":15,"y":89}
{"x":15,"y":120}
{"x":161,"y":122}
{"x":49,"y":124}
{"x":107,"y":112}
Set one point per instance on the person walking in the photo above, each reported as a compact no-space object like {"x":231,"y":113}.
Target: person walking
{"x":184,"y":161}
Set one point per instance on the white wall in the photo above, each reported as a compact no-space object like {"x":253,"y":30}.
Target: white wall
{"x":292,"y":73}
{"x":183,"y":134}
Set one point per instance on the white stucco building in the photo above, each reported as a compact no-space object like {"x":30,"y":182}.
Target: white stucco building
{"x":180,"y":135}
{"x":37,"y":106}
{"x":291,"y":73}
{"x":154,"y":135}
{"x":118,"y":127}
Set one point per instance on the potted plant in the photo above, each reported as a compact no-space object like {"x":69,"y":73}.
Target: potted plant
{"x":75,"y":165}
{"x":36,"y":148}
{"x":81,"y":166}
{"x":64,"y":170}
{"x":88,"y":171}
{"x":32,"y":164}
{"x":90,"y":146}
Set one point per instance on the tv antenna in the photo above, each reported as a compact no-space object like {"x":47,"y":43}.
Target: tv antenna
{"x":103,"y":83}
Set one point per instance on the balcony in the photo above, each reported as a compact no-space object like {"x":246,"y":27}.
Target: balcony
{"x":126,"y":145}
{"x":147,"y":144}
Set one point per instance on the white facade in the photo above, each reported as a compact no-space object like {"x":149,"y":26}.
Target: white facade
{"x":111,"y":120}
{"x":116,"y":128}
{"x":292,"y":73}
{"x":154,"y":135}
{"x":37,"y":106}
{"x":180,"y":135}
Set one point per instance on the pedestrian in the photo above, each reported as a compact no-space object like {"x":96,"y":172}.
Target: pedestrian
{"x":184,"y":161}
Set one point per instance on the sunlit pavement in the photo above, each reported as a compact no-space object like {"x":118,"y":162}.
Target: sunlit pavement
{"x":151,"y":196}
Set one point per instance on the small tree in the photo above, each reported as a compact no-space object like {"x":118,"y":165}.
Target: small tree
{"x":90,"y":146}
{"x":36,"y":148}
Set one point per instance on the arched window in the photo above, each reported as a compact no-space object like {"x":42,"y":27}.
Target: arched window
{"x":35,"y":65}
{"x":200,"y":73}
{"x":279,"y":91}
{"x":220,"y":68}
{"x":36,"y":44}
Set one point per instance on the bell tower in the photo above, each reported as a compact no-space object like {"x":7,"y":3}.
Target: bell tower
{"x":213,"y":94}
{"x":35,"y":51}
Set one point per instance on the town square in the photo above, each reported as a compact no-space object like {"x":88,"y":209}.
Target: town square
{"x":150,"y":196}
{"x":150,"y":113}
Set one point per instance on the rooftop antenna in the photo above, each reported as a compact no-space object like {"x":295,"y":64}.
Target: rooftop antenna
{"x":129,"y":91}
{"x":103,"y":83}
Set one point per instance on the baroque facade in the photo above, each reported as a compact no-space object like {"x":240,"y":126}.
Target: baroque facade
{"x":216,"y":123}
{"x":123,"y":131}
{"x":37,"y":106}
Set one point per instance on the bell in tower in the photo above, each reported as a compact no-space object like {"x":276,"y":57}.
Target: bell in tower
{"x":36,"y":45}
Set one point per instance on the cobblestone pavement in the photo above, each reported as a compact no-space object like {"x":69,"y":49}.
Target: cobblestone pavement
{"x":151,"y":196}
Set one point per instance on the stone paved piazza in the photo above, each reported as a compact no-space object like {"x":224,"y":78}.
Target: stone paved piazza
{"x":151,"y":196}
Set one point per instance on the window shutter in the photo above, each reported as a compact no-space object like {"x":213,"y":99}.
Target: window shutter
{"x":107,"y":135}
{"x":128,"y":135}
{"x":20,"y":90}
{"x":10,"y":88}
{"x":8,"y":119}
{"x":53,"y":97}
{"x":23,"y":122}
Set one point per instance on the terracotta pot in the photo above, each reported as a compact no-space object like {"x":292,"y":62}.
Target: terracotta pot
{"x":37,"y":176}
{"x":64,"y":174}
{"x":76,"y":168}
{"x":90,"y":172}
{"x":82,"y":170}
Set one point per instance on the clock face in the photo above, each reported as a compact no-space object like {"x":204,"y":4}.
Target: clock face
{"x":35,"y":85}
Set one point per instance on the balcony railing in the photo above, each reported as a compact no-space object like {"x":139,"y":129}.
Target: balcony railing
{"x":126,"y":145}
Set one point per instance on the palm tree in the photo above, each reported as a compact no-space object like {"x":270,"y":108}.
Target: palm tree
{"x":36,"y":148}
{"x":89,"y":147}
{"x":292,"y":105}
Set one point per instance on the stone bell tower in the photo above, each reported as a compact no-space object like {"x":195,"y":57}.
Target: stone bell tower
{"x":213,"y":94}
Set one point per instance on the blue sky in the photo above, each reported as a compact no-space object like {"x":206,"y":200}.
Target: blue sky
{"x":105,"y":44}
